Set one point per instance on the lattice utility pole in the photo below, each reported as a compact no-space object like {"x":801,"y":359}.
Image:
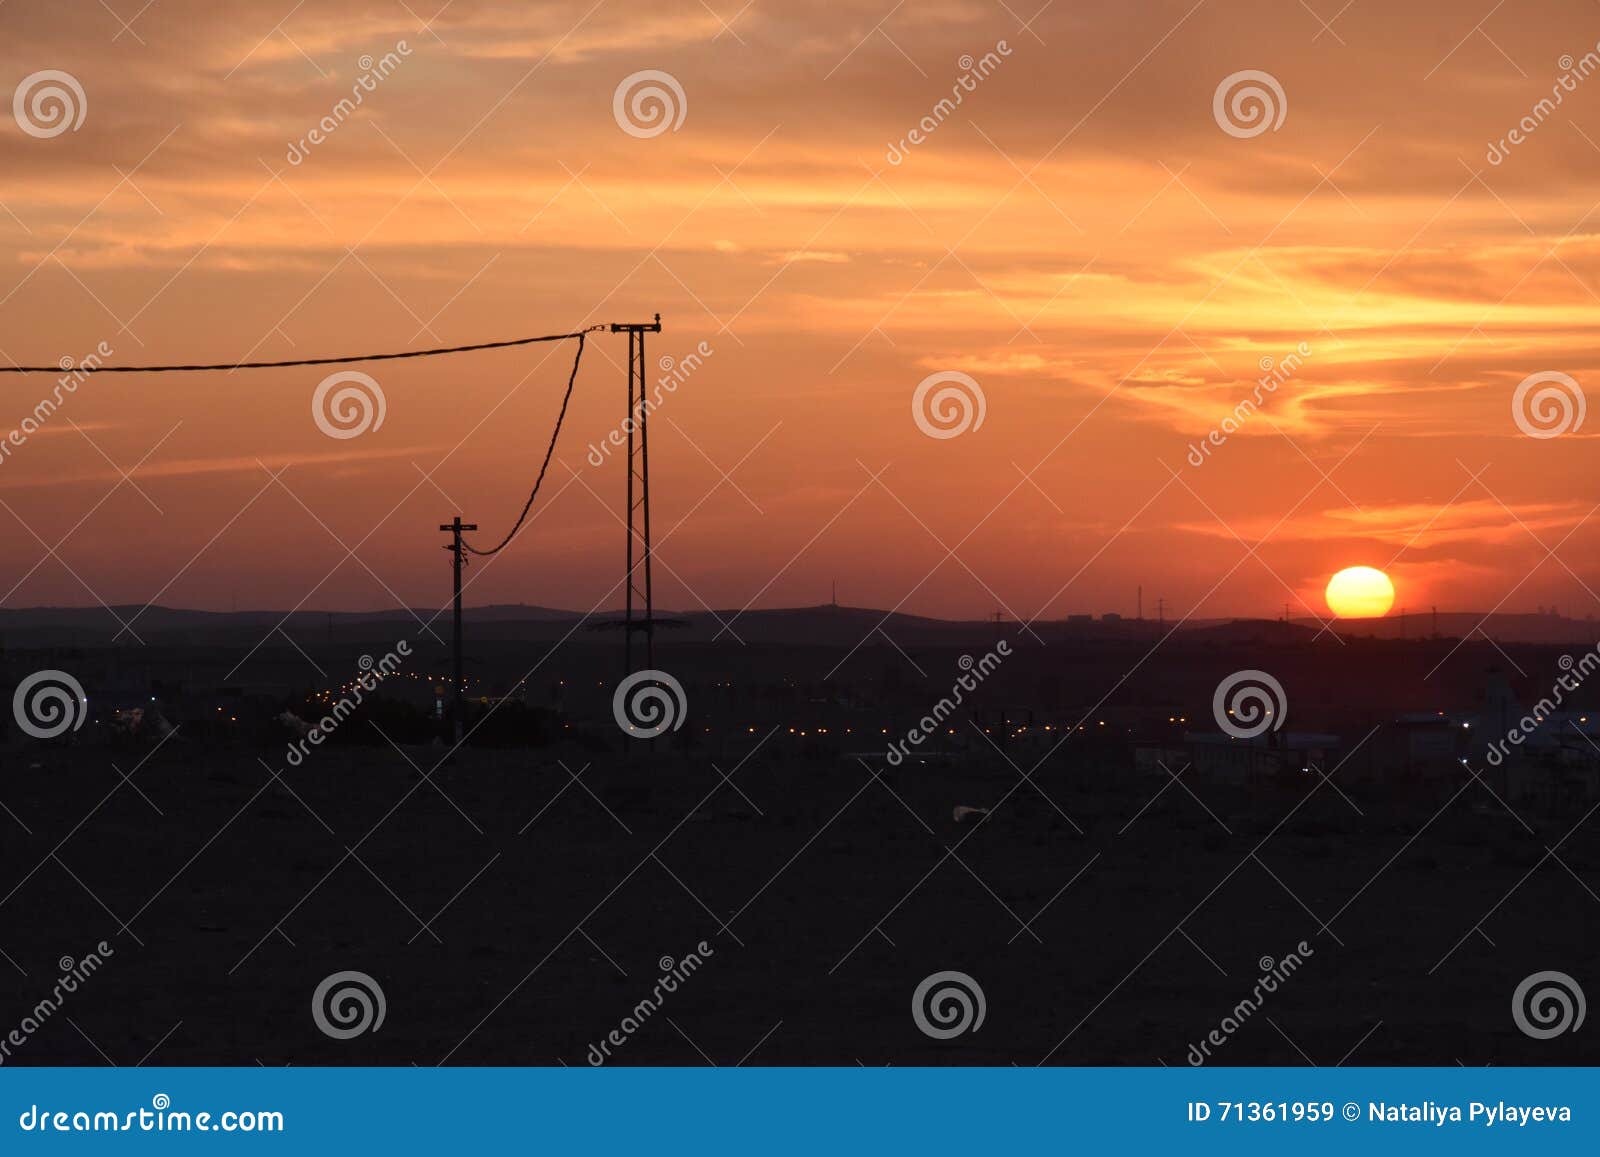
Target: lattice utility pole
{"x":459,"y":560}
{"x":638,"y":580}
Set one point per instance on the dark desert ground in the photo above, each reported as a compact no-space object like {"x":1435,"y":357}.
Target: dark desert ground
{"x":516,"y":901}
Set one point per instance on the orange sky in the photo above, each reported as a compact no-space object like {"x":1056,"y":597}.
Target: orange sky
{"x":1080,"y":236}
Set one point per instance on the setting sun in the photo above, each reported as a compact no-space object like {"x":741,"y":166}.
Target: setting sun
{"x":1360,"y":592}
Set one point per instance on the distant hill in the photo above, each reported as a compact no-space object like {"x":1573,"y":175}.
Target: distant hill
{"x":797,"y":626}
{"x":1514,"y":628}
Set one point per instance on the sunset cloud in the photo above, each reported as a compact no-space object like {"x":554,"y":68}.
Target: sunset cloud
{"x":1079,"y":235}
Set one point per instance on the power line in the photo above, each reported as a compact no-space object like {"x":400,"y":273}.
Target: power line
{"x":347,"y":359}
{"x":460,"y":547}
{"x":460,"y":349}
{"x":543,"y":466}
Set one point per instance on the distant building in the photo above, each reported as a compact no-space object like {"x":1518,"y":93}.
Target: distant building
{"x":1269,"y":756}
{"x":1547,"y":754}
{"x":1422,"y":745}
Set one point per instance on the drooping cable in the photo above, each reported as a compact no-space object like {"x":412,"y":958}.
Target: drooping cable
{"x":543,"y":466}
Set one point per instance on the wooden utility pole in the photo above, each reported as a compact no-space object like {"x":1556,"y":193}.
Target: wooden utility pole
{"x":458,"y":560}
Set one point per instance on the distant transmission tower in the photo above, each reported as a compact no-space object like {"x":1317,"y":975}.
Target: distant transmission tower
{"x":638,"y":580}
